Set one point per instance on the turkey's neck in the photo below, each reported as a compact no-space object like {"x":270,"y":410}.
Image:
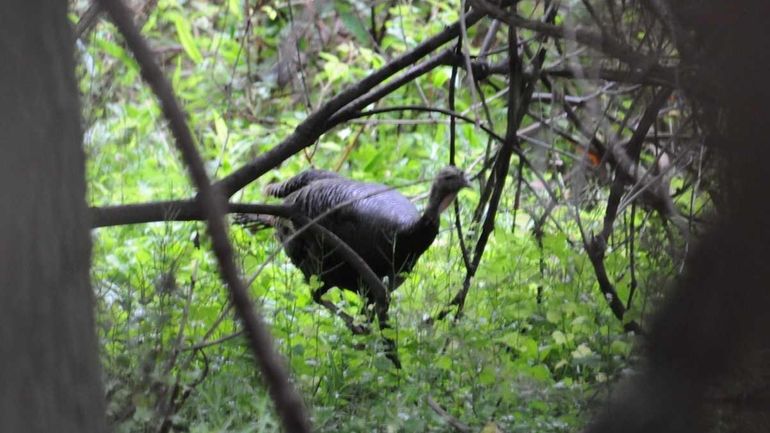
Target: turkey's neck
{"x":437,"y":203}
{"x":424,"y":230}
{"x":427,"y":225}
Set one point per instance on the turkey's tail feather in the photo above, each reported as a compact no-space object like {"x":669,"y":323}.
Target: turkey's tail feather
{"x":282,"y":189}
{"x":255,"y":222}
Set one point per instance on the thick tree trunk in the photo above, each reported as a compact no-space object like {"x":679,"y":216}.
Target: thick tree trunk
{"x":49,"y":369}
{"x":708,"y":349}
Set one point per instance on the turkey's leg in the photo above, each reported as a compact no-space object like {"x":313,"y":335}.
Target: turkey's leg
{"x":357,"y":329}
{"x":391,"y":349}
{"x":381,"y":303}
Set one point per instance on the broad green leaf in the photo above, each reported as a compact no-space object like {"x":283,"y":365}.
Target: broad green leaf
{"x":559,"y":338}
{"x":440,"y":76}
{"x":184,"y":33}
{"x":539,"y":372}
{"x":487,"y":376}
{"x":118,"y":52}
{"x":443,"y":362}
{"x":221,"y":129}
{"x":269,"y":11}
{"x":582,"y":352}
{"x":352,"y":22}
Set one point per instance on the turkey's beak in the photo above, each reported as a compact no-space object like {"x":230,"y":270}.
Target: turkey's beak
{"x":466,"y":181}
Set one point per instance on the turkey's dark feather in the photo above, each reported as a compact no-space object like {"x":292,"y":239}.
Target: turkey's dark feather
{"x":379,"y":224}
{"x":301,"y":180}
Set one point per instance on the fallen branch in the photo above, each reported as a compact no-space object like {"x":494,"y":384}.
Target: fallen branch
{"x":449,"y":419}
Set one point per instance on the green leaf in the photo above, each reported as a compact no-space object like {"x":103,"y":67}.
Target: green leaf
{"x":553,"y":316}
{"x":540,"y":372}
{"x":334,"y":68}
{"x":117,"y":52}
{"x":390,"y":333}
{"x":184,"y":32}
{"x":234,"y":7}
{"x":352,"y":22}
{"x":487,"y":376}
{"x":373,"y":162}
{"x":539,"y":406}
{"x":582,"y":351}
{"x":440,"y":76}
{"x":270,"y":12}
{"x":559,"y":337}
{"x":221,"y":128}
{"x":444,"y":363}
{"x":619,"y":347}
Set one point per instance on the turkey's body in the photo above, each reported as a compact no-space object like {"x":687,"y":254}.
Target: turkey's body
{"x":380,"y":225}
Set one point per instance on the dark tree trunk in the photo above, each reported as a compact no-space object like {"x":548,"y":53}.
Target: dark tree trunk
{"x":49,"y":369}
{"x":708,"y":349}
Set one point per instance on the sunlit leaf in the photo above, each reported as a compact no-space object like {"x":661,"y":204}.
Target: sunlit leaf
{"x":184,"y":33}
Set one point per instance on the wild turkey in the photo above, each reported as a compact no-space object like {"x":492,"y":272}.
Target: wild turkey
{"x":382,"y":226}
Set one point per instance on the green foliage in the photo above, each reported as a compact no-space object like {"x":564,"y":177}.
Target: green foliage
{"x":535,"y":338}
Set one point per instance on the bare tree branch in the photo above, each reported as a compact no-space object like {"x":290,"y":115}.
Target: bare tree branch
{"x":350,"y":110}
{"x":175,"y":210}
{"x":313,"y":126}
{"x":641,"y":63}
{"x":597,"y":246}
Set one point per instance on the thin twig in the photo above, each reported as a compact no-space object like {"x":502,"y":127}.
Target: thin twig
{"x":452,"y":150}
{"x":500,"y":171}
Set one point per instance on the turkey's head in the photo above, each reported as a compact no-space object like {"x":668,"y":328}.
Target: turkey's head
{"x":449,"y":181}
